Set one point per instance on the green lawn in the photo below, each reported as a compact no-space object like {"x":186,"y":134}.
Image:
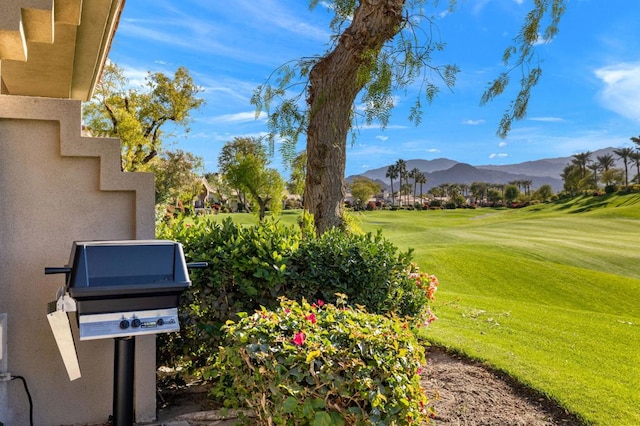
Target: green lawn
{"x":549,"y":294}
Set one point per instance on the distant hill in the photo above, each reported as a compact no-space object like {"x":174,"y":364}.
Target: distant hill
{"x":444,"y":170}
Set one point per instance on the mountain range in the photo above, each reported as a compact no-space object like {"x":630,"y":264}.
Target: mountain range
{"x":444,"y":170}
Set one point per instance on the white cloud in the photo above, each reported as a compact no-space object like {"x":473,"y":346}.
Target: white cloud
{"x":502,"y":144}
{"x":382,"y":138}
{"x":621,"y":91}
{"x":498,"y":155}
{"x":546,"y":119}
{"x":473,"y":122}
{"x":236,"y":117}
{"x":434,"y":150}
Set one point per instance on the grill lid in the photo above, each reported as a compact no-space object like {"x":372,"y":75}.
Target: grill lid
{"x":104,"y":268}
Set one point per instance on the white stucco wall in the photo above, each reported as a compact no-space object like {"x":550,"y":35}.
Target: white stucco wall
{"x":57,"y":187}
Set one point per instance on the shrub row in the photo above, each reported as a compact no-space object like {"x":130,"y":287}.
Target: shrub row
{"x":251,"y":267}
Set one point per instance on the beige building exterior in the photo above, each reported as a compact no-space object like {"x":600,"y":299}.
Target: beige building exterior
{"x":57,"y":187}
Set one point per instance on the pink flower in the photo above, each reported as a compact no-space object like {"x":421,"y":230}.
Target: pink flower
{"x":287,"y":311}
{"x":431,"y":317}
{"x":311,"y":317}
{"x":320,"y":303}
{"x":419,"y":370}
{"x":298,"y":339}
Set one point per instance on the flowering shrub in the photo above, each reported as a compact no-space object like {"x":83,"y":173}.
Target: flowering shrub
{"x":321,"y":364}
{"x":427,"y":285}
{"x":252,"y":266}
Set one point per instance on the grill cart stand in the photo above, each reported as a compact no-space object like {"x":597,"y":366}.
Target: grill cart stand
{"x":120,"y":290}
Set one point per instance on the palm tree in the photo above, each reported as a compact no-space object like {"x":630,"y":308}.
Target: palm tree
{"x":624,"y":154}
{"x":401,"y":165}
{"x":527,"y":187}
{"x":635,"y":156}
{"x":421,"y":179}
{"x":392,"y":173}
{"x":413,"y":174}
{"x":636,"y":140}
{"x":479,"y":190}
{"x":594,"y":167}
{"x":581,"y":160}
{"x":606,"y":161}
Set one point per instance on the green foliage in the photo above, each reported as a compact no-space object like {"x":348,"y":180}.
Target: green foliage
{"x":243,"y":163}
{"x":362,"y":189}
{"x":370,"y":270}
{"x":511,"y":193}
{"x":137,"y":117}
{"x":176,"y":176}
{"x":544,"y":193}
{"x":246,"y":270}
{"x":321,"y":364}
{"x":540,"y":24}
{"x":252,"y":266}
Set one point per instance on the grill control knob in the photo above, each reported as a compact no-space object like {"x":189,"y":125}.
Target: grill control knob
{"x":160,"y":322}
{"x":135,"y":323}
{"x":124,"y":324}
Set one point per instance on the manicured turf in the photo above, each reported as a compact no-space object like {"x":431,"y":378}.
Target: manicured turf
{"x":549,"y":294}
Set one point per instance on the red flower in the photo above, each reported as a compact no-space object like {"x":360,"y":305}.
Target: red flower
{"x":298,"y":339}
{"x":311,"y":317}
{"x":320,"y":303}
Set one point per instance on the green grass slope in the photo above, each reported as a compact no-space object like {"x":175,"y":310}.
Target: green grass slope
{"x":549,"y":294}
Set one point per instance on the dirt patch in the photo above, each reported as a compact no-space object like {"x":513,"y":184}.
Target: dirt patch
{"x":463,"y":392}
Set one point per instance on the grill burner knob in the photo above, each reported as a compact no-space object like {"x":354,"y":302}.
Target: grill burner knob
{"x":135,"y":323}
{"x":160,"y":322}
{"x":124,"y":324}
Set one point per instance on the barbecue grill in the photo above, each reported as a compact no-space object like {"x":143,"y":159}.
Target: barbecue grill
{"x":119,"y":289}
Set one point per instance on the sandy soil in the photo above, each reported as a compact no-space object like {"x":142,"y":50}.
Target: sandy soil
{"x":463,"y":392}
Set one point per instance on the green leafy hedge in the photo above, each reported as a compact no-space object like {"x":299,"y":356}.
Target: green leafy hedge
{"x":321,"y":364}
{"x":251,"y":267}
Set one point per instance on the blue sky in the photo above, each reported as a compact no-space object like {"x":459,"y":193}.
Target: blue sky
{"x":588,"y":96}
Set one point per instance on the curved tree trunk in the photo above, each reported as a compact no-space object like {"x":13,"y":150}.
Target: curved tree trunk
{"x":334,"y":84}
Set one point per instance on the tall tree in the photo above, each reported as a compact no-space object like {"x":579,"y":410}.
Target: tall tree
{"x":581,"y":160}
{"x":401,"y":166}
{"x":624,"y":154}
{"x":594,"y":167}
{"x":362,"y":189}
{"x":605,"y":161}
{"x":177,"y":176}
{"x":635,"y":156}
{"x":571,"y":176}
{"x":244,"y":162}
{"x":378,"y":48}
{"x":392,"y":173}
{"x":413,"y":174}
{"x":511,"y":193}
{"x":421,"y":179}
{"x":298,"y":174}
{"x":544,"y":193}
{"x":138,"y":117}
{"x":479,"y":190}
